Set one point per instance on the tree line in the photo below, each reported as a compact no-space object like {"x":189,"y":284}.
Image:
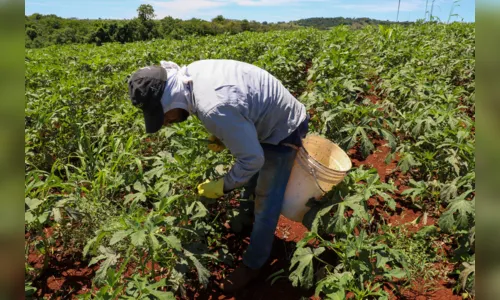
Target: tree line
{"x":327,"y":23}
{"x":45,"y":30}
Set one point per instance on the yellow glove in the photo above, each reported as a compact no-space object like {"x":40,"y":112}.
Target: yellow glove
{"x":215,"y":145}
{"x":211,"y":189}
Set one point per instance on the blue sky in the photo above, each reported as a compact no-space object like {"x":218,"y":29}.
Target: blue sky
{"x":259,"y":10}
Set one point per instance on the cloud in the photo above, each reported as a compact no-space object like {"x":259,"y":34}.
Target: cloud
{"x":272,"y":2}
{"x":385,"y":6}
{"x":185,"y":9}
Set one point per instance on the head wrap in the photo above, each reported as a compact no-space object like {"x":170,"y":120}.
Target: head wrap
{"x":177,"y":92}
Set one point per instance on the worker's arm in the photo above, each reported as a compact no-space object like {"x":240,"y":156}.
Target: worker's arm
{"x":240,"y":136}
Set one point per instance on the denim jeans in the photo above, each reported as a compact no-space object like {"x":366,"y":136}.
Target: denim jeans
{"x":270,"y":184}
{"x":268,"y":187}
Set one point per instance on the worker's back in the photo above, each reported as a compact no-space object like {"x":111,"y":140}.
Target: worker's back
{"x":257,"y":95}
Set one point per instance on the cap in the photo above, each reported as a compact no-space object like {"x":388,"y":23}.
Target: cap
{"x":145,"y":89}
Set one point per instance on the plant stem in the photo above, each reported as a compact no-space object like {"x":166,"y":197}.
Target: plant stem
{"x":399,"y":5}
{"x":323,"y":261}
{"x":432,"y":10}
{"x":153,"y":265}
{"x":215,"y":218}
{"x":426,"y":6}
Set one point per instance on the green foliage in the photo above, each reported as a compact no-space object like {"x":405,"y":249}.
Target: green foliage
{"x":145,"y":12}
{"x":303,"y":258}
{"x":328,"y":23}
{"x":459,"y":215}
{"x":46,"y":30}
{"x":128,"y":201}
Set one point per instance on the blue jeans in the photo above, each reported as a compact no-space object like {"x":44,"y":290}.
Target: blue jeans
{"x":268,"y":187}
{"x":270,"y":184}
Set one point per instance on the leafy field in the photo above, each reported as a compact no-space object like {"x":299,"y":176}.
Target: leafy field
{"x":112,"y":212}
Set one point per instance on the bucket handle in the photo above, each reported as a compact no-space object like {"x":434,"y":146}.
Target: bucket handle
{"x":291,"y":146}
{"x":311,"y":170}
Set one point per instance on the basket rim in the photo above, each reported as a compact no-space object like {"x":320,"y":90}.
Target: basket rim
{"x":303,"y":148}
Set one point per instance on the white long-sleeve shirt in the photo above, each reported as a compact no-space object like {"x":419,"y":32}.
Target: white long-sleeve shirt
{"x":243,"y":106}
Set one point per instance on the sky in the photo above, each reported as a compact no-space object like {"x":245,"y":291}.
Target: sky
{"x":258,"y":10}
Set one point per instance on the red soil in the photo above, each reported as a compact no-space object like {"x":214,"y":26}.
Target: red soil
{"x":65,"y":277}
{"x":289,"y":230}
{"x":438,"y":289}
{"x":376,"y":159}
{"x":421,"y":291}
{"x":408,"y":216}
{"x":68,"y":276}
{"x":286,"y":235}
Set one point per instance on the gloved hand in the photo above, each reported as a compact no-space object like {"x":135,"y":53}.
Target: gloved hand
{"x":211,"y":189}
{"x":215,"y":145}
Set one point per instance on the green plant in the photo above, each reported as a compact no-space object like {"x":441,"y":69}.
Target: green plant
{"x":128,"y":199}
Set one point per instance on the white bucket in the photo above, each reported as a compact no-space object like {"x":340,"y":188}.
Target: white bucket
{"x":318,"y":167}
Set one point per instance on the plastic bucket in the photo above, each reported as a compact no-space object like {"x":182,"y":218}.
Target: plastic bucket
{"x":318,"y":166}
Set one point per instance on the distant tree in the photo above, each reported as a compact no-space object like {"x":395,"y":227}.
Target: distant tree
{"x":245,"y":26}
{"x":167,"y":25}
{"x":146,"y":12}
{"x":144,"y":27}
{"x":31,"y":33}
{"x":123,"y":33}
{"x":218,"y":19}
{"x":36,"y":16}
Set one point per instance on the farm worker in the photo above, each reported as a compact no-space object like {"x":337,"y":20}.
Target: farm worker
{"x":247,"y":110}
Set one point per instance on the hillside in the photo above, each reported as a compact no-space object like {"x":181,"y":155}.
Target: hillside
{"x":327,"y":23}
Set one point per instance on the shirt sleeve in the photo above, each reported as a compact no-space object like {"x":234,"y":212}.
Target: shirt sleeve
{"x":240,"y":136}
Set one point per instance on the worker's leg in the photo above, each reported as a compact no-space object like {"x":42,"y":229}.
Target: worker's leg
{"x":247,"y":201}
{"x":243,"y":221}
{"x":269,"y":193}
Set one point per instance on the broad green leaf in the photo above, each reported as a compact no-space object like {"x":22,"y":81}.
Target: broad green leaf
{"x":138,"y":238}
{"x":154,"y":241}
{"x":155,"y":172}
{"x":197,"y":210}
{"x":32,"y":203}
{"x":56,"y":213}
{"x":391,"y":203}
{"x":42,"y":218}
{"x":426,"y":231}
{"x":203,"y":273}
{"x":318,"y":217}
{"x":382,"y":259}
{"x":139,"y":165}
{"x":303,"y":273}
{"x":457,"y":214}
{"x":138,"y":186}
{"x":96,"y":259}
{"x":356,"y":203}
{"x":465,"y":273}
{"x":338,"y":221}
{"x":163,"y":295}
{"x":88,"y":245}
{"x":396,"y":273}
{"x":28,"y":217}
{"x":119,"y":235}
{"x":166,"y":202}
{"x":338,"y":295}
{"x":173,"y":242}
{"x":135,"y":198}
{"x":334,"y":285}
{"x":163,"y":188}
{"x":111,"y":259}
